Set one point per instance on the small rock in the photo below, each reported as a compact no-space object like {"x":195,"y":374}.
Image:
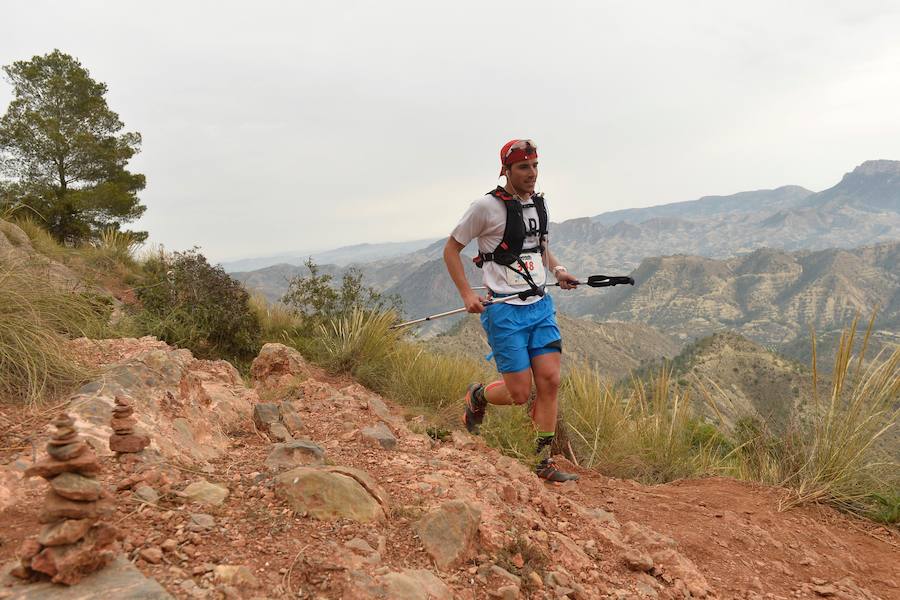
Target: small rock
{"x":56,"y":507}
{"x":379,"y":435}
{"x":68,"y":451}
{"x":265,"y":414}
{"x":76,"y":487}
{"x":236,"y":575}
{"x":279,"y":433}
{"x":169,"y":545}
{"x":204,"y":492}
{"x":128,"y":444}
{"x":448,"y":532}
{"x":360,"y":546}
{"x":294,"y":454}
{"x":200,"y":522}
{"x":461,"y":440}
{"x":50,"y":467}
{"x":147,"y":494}
{"x":328,"y":495}
{"x":152,"y":555}
{"x":825,"y":591}
{"x":290,"y":417}
{"x":64,"y":532}
{"x":535,"y":579}
{"x":638,"y":560}
{"x":506,"y":592}
{"x":414,"y":584}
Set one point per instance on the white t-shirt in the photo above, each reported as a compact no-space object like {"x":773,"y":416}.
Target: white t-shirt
{"x":486,"y":220}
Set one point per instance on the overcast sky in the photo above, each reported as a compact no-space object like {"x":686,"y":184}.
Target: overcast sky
{"x":282,"y":126}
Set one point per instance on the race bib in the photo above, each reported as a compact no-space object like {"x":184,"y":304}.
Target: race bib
{"x":535,"y":267}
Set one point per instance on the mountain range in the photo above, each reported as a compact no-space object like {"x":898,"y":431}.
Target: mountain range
{"x":765,"y":263}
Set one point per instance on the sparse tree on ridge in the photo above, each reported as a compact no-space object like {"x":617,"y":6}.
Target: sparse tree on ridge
{"x":61,"y":148}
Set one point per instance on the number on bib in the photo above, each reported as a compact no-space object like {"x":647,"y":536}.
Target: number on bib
{"x":535,"y":267}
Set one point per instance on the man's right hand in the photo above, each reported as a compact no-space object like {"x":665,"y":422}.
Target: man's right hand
{"x":474,"y":303}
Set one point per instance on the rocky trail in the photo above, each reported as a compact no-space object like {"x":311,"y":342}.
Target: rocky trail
{"x":302,"y":485}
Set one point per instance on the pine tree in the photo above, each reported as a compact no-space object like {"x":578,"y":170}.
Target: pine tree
{"x":61,"y":147}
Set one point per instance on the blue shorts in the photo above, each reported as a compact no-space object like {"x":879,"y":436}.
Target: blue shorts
{"x":519,"y":333}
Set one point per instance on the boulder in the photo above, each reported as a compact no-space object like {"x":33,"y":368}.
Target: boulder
{"x":204,"y":492}
{"x":448,"y":532}
{"x":327,"y":495}
{"x":276,"y":366}
{"x":295,"y":454}
{"x":379,"y":435}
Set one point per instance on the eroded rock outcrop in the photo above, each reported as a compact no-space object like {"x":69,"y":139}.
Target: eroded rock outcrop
{"x":185,"y":405}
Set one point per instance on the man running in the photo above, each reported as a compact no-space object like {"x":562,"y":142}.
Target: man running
{"x":510,"y":224}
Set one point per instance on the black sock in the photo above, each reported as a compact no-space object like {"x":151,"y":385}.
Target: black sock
{"x":544,"y":439}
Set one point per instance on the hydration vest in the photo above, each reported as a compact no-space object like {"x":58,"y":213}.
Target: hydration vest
{"x":510,"y":247}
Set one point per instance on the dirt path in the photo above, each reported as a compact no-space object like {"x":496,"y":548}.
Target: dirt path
{"x":738,"y":538}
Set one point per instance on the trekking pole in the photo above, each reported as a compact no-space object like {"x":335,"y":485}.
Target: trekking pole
{"x":452,"y":312}
{"x":592,"y":281}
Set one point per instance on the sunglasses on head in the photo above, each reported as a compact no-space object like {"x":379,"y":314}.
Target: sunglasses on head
{"x":527,"y":145}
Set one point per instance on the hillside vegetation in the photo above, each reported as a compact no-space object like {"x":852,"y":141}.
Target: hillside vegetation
{"x":649,"y":429}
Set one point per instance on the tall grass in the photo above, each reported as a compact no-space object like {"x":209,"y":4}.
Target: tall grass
{"x":360,"y":343}
{"x":835,"y":455}
{"x":276,"y":320}
{"x":35,"y":320}
{"x":647,"y":431}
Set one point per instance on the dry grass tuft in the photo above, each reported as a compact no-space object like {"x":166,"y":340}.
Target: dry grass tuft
{"x":35,"y":320}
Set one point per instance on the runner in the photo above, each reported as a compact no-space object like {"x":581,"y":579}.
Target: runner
{"x":510,"y":224}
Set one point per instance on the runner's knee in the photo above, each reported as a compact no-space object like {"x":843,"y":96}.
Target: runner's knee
{"x":520,"y":396}
{"x":549,"y":379}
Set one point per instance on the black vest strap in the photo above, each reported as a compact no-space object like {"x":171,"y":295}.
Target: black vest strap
{"x":510,"y":247}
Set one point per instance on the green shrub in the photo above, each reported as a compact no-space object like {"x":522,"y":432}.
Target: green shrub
{"x":189,"y":303}
{"x":320,"y":301}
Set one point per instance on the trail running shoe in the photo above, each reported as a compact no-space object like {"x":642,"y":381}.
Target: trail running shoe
{"x":548,"y":470}
{"x":474,"y":413}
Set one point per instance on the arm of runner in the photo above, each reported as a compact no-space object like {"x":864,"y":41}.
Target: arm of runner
{"x":566,"y":280}
{"x":474,"y":303}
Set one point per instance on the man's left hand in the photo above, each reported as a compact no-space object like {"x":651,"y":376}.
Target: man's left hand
{"x":566,"y":280}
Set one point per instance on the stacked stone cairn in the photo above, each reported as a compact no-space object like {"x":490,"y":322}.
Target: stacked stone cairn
{"x":124,"y":440}
{"x":74,"y":542}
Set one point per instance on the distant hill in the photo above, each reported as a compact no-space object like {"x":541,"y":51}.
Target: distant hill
{"x":339,"y":256}
{"x":744,"y":202}
{"x":769,"y":296}
{"x":731,"y":378}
